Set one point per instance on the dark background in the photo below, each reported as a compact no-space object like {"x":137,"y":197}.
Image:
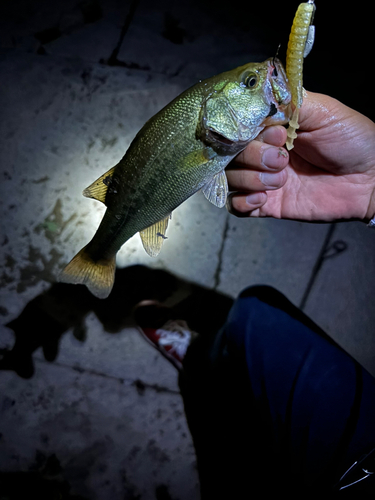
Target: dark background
{"x":340,"y":65}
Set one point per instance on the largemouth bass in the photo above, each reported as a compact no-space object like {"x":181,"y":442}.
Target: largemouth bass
{"x":182,"y":149}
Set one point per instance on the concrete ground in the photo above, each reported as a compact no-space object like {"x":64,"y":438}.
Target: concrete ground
{"x":85,"y":402}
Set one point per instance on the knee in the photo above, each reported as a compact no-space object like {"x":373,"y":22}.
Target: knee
{"x":263,"y":318}
{"x":265,"y":294}
{"x":260,"y":306}
{"x":255,"y":314}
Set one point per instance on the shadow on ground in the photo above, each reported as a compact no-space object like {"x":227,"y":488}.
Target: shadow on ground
{"x":64,"y":307}
{"x":48,"y":316}
{"x":44,"y":480}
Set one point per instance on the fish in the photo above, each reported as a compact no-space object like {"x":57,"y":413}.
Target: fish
{"x":182,"y":149}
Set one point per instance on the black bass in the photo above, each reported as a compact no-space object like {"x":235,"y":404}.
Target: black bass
{"x":182,"y":149}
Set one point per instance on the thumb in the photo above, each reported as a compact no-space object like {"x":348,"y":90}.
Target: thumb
{"x":318,"y":110}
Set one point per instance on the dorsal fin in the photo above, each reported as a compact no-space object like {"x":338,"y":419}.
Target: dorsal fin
{"x":153,"y":237}
{"x":98,"y":189}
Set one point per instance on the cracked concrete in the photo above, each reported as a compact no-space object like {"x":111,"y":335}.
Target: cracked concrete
{"x":79,"y":79}
{"x":219,"y":267}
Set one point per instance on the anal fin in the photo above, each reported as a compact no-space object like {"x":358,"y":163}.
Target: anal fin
{"x":153,"y":237}
{"x":99,"y":188}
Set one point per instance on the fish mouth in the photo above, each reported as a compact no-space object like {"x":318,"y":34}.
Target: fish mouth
{"x":279,"y":114}
{"x":273,"y":110}
{"x":278,"y":94}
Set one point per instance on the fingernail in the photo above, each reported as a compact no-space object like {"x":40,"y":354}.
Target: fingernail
{"x":275,"y":157}
{"x":270,"y":180}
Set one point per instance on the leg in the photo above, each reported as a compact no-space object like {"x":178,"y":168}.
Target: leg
{"x":274,"y":403}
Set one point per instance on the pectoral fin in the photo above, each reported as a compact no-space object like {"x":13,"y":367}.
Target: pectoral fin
{"x":216,"y":190}
{"x":153,"y":237}
{"x":99,"y":188}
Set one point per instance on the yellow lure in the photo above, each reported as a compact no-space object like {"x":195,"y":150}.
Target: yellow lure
{"x":300,"y":43}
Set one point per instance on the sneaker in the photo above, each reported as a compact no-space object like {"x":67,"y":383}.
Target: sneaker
{"x":151,"y":313}
{"x":171,"y":340}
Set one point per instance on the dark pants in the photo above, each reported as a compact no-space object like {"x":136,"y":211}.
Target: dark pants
{"x":275,"y":406}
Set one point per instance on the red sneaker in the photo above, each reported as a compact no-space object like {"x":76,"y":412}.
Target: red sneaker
{"x":171,"y":340}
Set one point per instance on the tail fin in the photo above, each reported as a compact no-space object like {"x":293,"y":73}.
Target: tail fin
{"x":97,"y":276}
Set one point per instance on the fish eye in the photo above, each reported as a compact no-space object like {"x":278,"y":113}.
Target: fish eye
{"x":250,"y":80}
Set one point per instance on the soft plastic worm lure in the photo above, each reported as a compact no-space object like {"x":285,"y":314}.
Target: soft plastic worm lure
{"x":301,"y":40}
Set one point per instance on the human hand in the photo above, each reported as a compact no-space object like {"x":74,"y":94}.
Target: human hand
{"x":329,"y":175}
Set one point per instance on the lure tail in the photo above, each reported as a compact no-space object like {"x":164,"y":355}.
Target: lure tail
{"x":98,"y":276}
{"x":293,"y":126}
